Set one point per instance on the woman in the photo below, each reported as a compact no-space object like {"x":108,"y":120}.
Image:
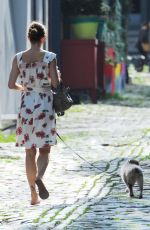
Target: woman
{"x":37,"y":72}
{"x":143,"y":43}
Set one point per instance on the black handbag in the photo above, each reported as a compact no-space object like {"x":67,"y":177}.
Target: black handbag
{"x":61,"y":99}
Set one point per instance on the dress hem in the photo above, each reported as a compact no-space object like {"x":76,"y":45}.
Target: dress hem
{"x":35,"y":146}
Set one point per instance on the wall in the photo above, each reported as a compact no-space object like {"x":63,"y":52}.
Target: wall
{"x":8,"y":99}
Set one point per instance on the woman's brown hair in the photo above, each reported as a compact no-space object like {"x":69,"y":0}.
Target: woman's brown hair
{"x":36,"y":31}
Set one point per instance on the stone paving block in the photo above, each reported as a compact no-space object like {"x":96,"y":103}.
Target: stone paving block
{"x":81,"y":196}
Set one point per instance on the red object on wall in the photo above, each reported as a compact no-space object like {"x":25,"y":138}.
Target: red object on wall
{"x":111,"y":53}
{"x":109,"y":78}
{"x":109,"y":72}
{"x":79,"y":65}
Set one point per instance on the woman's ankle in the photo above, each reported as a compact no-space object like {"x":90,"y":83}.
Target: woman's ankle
{"x":34,"y":197}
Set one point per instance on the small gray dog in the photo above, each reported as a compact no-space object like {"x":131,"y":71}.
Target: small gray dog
{"x":131,"y":173}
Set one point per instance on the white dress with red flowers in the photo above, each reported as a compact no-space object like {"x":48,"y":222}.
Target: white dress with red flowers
{"x":36,"y":117}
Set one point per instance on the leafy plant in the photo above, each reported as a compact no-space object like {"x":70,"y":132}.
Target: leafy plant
{"x":105,"y":8}
{"x":111,"y":25}
{"x":109,"y":60}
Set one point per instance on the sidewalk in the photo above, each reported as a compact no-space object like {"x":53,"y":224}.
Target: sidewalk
{"x":83,"y":197}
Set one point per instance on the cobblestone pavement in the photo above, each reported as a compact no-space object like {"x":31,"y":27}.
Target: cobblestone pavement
{"x":81,"y":196}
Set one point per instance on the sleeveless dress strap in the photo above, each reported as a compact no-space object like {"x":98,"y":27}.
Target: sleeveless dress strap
{"x":19,"y":58}
{"x":49,"y":57}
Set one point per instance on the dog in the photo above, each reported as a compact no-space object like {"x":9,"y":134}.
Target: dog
{"x":131,"y":172}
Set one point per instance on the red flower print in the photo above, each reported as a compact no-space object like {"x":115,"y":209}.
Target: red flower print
{"x":33,"y":146}
{"x":53,"y":131}
{"x":26,"y":137}
{"x":40,"y":76}
{"x":40,"y":134}
{"x":27,"y":65}
{"x":31,"y":78}
{"x":28,"y":93}
{"x":24,"y":121}
{"x":51,"y":117}
{"x":41,"y":116}
{"x":28,"y":111}
{"x":34,"y":64}
{"x":19,"y":131}
{"x":44,"y":125}
{"x":31,"y":121}
{"x":37,"y":106}
{"x":22,"y":142}
{"x":42,"y":95}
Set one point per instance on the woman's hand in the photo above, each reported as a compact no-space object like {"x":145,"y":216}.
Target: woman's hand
{"x":21,"y":87}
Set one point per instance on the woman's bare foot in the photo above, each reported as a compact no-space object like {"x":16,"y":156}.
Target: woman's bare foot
{"x":34,"y":198}
{"x":43,"y":193}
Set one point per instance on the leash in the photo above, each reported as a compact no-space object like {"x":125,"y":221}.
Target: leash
{"x":82,"y":158}
{"x":77,"y":154}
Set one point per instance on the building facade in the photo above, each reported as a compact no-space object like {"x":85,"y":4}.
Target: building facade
{"x":139,"y":14}
{"x":14,"y":20}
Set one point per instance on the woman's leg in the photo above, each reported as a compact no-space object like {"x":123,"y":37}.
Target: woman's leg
{"x":31,"y":171}
{"x":42,"y":163}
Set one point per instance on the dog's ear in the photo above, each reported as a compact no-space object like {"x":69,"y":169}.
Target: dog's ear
{"x":135,"y":162}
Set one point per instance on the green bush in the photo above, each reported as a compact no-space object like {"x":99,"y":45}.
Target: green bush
{"x":5,"y":138}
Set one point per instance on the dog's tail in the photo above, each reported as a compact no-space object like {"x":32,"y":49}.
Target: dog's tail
{"x":138,"y":171}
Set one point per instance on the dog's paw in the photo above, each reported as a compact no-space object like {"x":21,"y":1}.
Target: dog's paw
{"x":140,"y":196}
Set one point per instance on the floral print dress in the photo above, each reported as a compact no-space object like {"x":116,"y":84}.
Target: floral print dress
{"x":36,"y":117}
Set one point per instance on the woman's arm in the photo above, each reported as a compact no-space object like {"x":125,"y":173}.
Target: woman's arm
{"x":54,"y":74}
{"x":13,"y":76}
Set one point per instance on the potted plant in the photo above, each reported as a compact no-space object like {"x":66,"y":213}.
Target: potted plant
{"x":83,"y":17}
